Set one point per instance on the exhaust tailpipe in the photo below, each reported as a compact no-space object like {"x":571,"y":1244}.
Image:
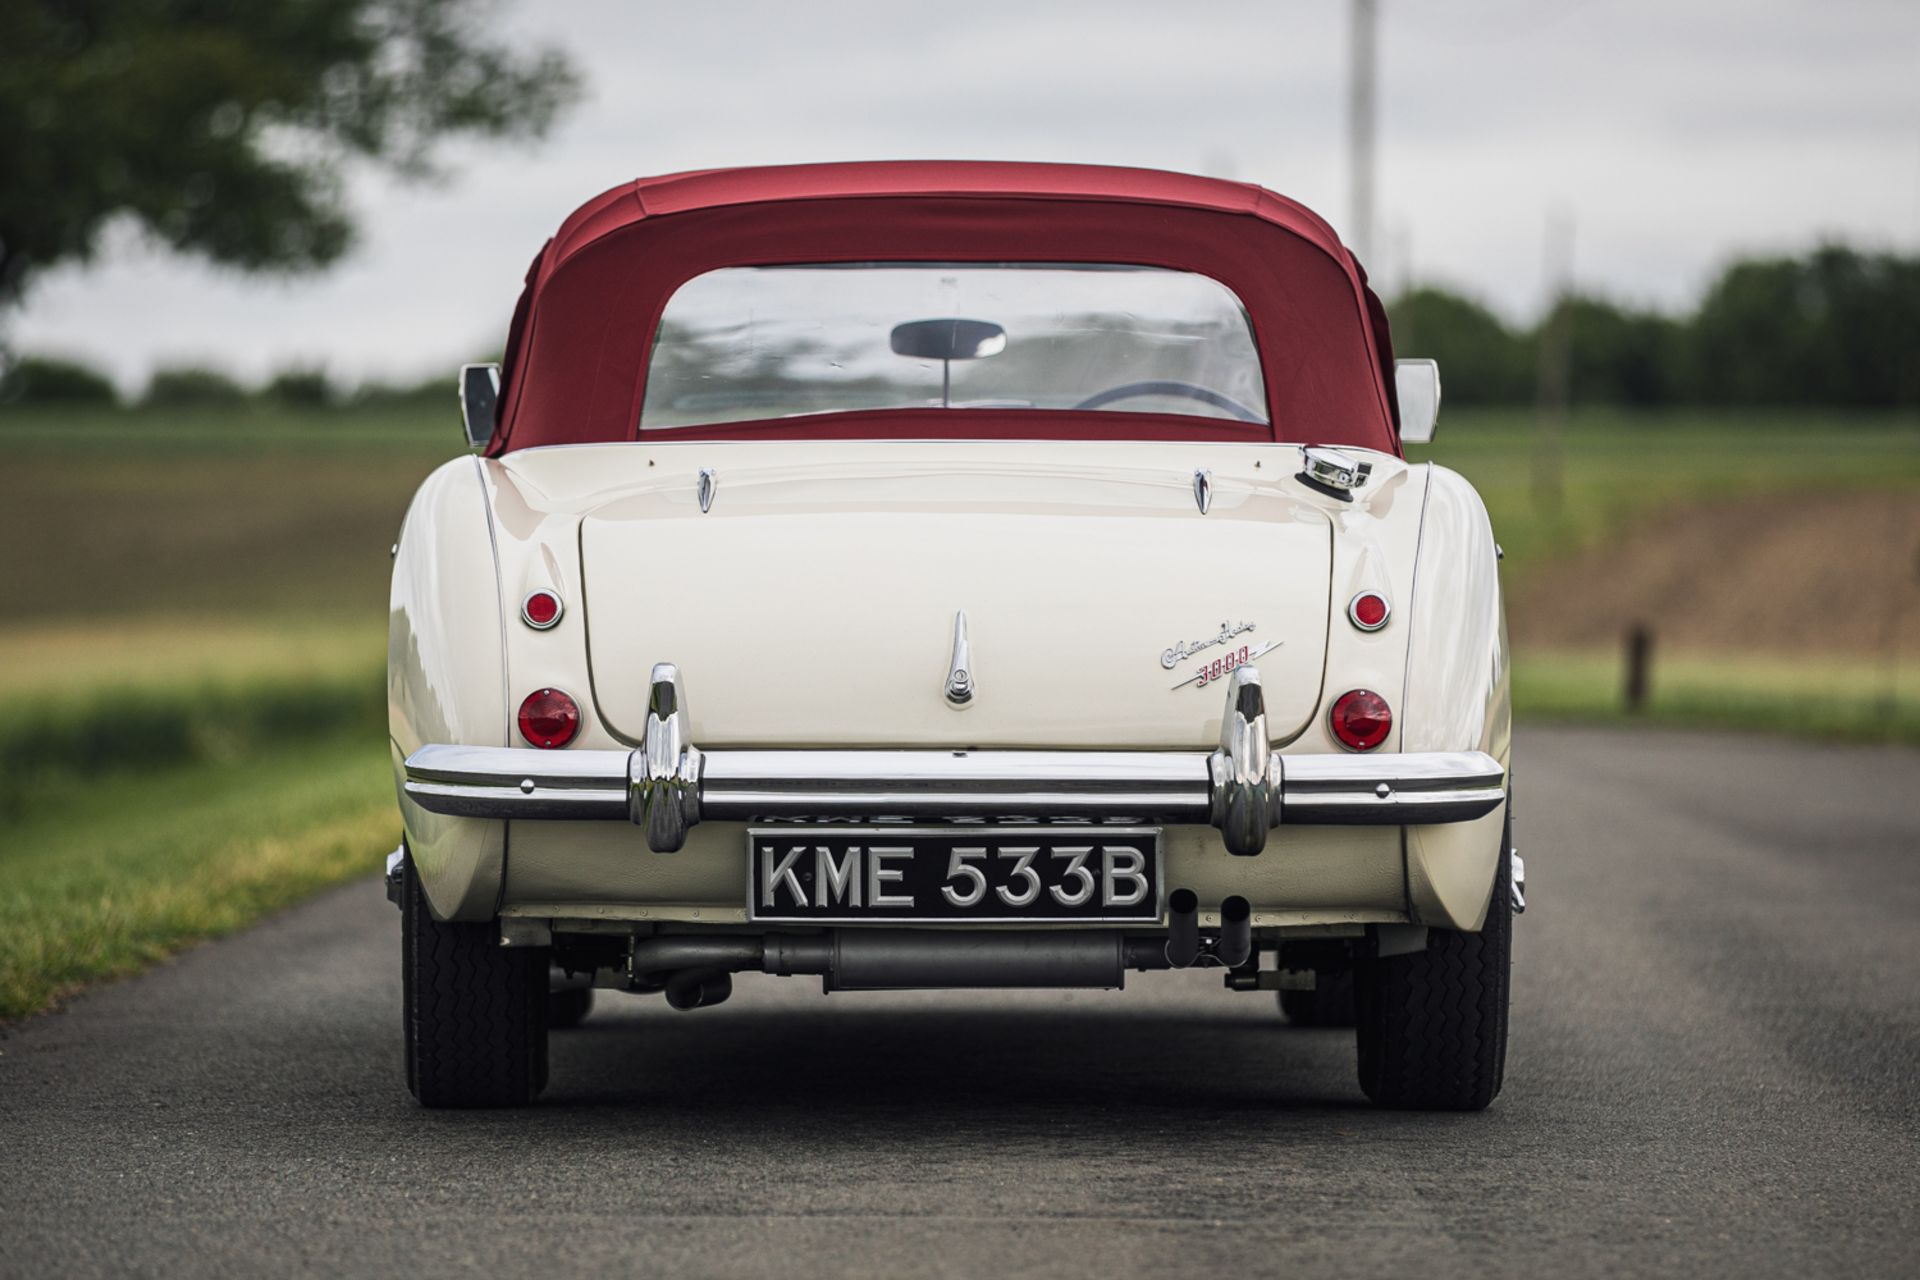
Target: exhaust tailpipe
{"x":1235,"y":944}
{"x":1183,"y":928}
{"x":698,"y":988}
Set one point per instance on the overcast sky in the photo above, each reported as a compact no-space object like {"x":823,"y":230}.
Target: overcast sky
{"x":1675,"y":135}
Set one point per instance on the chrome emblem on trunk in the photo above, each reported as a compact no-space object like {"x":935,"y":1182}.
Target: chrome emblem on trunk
{"x":1187,"y":648}
{"x":1227,"y":663}
{"x":960,"y":670}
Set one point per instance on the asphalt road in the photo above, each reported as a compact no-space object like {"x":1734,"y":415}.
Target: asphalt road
{"x":1713,"y":1070}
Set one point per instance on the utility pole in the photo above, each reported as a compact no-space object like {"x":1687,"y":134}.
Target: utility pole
{"x":1360,"y":103}
{"x":1406,"y":339}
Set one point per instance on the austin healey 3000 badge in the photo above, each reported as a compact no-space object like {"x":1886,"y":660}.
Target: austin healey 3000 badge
{"x":1218,"y":667}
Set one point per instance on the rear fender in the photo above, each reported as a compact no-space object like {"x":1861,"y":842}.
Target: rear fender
{"x":446,"y":677}
{"x":1458,"y":695}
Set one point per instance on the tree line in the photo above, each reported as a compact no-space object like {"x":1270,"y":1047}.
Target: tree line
{"x":1835,"y":327}
{"x":50,"y":380}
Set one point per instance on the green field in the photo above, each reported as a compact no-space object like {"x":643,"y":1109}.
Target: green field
{"x":1843,"y":699}
{"x":192,"y":710}
{"x":1619,"y":466}
{"x":190,"y":678}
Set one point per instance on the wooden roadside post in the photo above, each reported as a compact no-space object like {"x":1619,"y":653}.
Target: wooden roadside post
{"x":1639,"y":666}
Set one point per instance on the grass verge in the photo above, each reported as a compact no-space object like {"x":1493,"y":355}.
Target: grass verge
{"x":105,"y":877}
{"x":1836,"y":699}
{"x":61,"y":738}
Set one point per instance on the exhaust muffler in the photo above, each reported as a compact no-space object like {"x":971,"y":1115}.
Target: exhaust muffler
{"x":694,"y":970}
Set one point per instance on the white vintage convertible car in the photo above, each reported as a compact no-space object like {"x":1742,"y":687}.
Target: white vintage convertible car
{"x":921,"y":575}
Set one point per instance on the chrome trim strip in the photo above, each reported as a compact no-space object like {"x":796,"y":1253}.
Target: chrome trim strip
{"x":1171,"y":787}
{"x":518,"y":782}
{"x":512,"y":766}
{"x":515,"y":802}
{"x":1243,"y":789}
{"x":1439,"y":786}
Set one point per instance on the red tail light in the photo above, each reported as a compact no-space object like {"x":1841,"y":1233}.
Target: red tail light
{"x":1368,"y":611}
{"x":1361,"y":719}
{"x":549,"y":718}
{"x":540,"y":610}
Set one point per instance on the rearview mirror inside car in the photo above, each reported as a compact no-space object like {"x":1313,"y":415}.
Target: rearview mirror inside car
{"x":1418,"y":384}
{"x":479,"y":397}
{"x":946,"y":340}
{"x":949,"y":339}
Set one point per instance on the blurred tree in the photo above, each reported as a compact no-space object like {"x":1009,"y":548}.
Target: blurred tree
{"x":302,"y":388}
{"x":437,"y":391}
{"x":192,"y":387}
{"x":1625,"y":357}
{"x":1837,"y":327}
{"x":225,"y":127}
{"x":44,"y":380}
{"x":1481,"y":360}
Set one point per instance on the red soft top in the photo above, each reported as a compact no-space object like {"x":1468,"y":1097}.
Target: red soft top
{"x":575,"y":368}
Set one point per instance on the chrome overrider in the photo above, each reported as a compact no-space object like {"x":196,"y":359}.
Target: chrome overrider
{"x":1245,"y":789}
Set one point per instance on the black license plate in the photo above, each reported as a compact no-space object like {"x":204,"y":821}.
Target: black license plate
{"x":977,"y":874}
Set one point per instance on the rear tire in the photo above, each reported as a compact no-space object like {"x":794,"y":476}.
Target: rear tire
{"x":1432,"y":1025}
{"x":1329,"y":1004}
{"x":475,"y":1011}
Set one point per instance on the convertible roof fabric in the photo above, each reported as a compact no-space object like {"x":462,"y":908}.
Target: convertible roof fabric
{"x":576,"y":356}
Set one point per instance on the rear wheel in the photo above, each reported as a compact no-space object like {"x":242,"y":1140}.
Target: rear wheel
{"x":1329,"y":1004}
{"x":475,"y":1011}
{"x":1432,"y":1025}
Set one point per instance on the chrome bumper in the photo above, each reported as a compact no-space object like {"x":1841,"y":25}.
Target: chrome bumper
{"x":1244,"y":789}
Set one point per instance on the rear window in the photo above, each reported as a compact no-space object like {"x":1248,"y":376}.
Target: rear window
{"x":754,"y":343}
